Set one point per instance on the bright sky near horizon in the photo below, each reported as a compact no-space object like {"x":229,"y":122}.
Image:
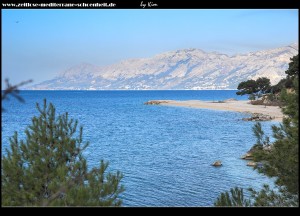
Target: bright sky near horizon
{"x":39,"y":43}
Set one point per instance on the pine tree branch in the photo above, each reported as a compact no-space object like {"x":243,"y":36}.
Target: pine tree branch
{"x":13,"y":90}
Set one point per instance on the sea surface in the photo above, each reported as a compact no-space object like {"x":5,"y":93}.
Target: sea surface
{"x":165,"y":153}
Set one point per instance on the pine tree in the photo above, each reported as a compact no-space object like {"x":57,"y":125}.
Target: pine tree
{"x":235,"y":198}
{"x":254,"y":88}
{"x":293,"y":70}
{"x":12,"y":90}
{"x":279,"y":159}
{"x":48,"y":167}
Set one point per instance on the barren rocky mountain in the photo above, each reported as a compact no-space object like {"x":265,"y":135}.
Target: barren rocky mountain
{"x":181,"y":69}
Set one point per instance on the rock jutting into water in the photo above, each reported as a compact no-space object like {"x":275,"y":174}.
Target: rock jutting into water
{"x":155,"y":102}
{"x":247,"y":156}
{"x":251,"y":163}
{"x":258,"y":117}
{"x":217,"y":163}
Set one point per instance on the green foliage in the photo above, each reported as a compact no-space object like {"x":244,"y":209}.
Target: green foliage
{"x":292,"y":74}
{"x":268,"y":197}
{"x":263,"y":84}
{"x":254,"y":88}
{"x":233,"y":198}
{"x":48,"y":167}
{"x":291,"y":102}
{"x":261,"y":139}
{"x":271,"y":97}
{"x":247,"y":87}
{"x":282,"y":84}
{"x":264,"y":197}
{"x":251,"y":97}
{"x":279,"y":159}
{"x":293,"y":70}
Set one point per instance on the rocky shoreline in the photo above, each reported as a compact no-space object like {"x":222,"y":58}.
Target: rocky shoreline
{"x":155,"y":102}
{"x":259,"y":117}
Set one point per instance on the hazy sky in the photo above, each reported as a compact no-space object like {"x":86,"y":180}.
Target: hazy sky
{"x":38,"y":44}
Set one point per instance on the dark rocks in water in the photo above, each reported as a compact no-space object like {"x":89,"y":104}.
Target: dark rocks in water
{"x":258,"y":117}
{"x":155,"y":102}
{"x":252,"y":164}
{"x":217,"y":163}
{"x":247,"y":156}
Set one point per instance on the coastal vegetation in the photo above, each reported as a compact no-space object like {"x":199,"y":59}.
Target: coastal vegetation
{"x":254,"y":88}
{"x":48,"y":168}
{"x":279,"y":159}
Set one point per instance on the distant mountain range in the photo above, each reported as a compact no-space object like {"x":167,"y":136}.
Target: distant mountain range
{"x":181,"y":69}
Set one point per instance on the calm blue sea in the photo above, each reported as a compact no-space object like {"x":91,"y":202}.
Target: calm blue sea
{"x":165,"y":153}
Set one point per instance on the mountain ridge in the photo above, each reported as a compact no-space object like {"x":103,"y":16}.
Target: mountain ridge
{"x":179,"y":69}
